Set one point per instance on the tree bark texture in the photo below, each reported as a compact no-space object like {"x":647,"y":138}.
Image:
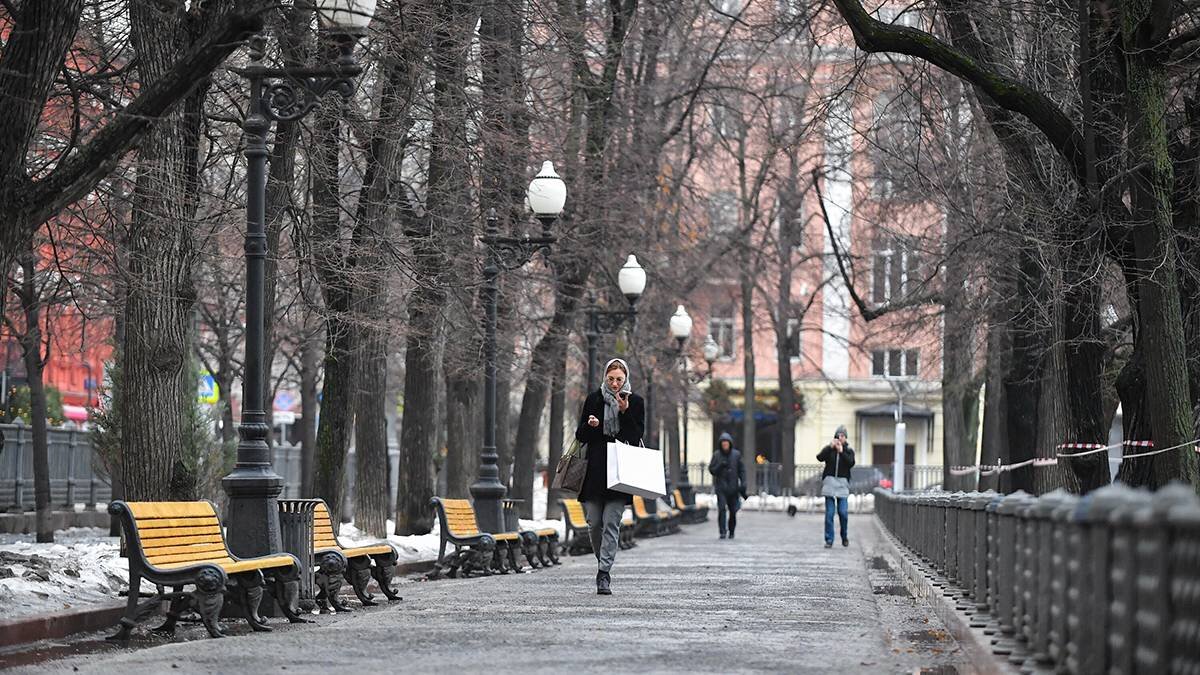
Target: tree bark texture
{"x":418,"y":431}
{"x":312,"y":350}
{"x":371,"y":489}
{"x":160,"y":294}
{"x":1145,"y":26}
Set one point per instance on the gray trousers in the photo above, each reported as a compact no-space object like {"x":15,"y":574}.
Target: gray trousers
{"x":604,"y":528}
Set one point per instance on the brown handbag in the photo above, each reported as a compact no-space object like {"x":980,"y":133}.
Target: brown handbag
{"x":571,"y":469}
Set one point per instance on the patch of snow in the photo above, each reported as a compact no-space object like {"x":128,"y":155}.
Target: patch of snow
{"x":82,"y":567}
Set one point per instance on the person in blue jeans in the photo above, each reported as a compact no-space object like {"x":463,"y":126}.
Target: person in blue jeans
{"x":838,"y":457}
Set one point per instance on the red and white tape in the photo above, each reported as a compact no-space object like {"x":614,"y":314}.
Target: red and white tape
{"x":1083,"y":448}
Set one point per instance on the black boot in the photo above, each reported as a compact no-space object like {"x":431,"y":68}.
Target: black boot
{"x":602,"y":583}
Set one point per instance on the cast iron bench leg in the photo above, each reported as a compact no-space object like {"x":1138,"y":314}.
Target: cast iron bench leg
{"x":382,"y":571}
{"x":358,"y":573}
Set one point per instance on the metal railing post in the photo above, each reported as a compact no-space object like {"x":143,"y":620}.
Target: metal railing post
{"x":1122,"y":629}
{"x":1184,"y":627}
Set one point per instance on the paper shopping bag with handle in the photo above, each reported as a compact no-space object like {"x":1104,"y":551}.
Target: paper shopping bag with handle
{"x":636,"y":470}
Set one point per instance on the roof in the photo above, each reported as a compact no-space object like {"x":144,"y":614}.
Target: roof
{"x":888,"y":410}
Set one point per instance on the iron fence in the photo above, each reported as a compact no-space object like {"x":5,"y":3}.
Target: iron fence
{"x":77,"y":475}
{"x":1108,"y":582}
{"x":807,"y":482}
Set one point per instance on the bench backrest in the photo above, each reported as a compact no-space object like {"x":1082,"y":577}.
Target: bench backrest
{"x":323,"y":536}
{"x":639,"y":507}
{"x":173,"y":532}
{"x":459,"y":517}
{"x":573,"y":509}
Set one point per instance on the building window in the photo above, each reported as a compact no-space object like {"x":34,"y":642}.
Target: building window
{"x":896,"y":141}
{"x":890,"y":363}
{"x":793,"y":339}
{"x":721,"y":328}
{"x":894,"y":270}
{"x":723,"y":211}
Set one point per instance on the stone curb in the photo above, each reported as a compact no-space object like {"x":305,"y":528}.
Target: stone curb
{"x":975,"y":644}
{"x":50,"y":626}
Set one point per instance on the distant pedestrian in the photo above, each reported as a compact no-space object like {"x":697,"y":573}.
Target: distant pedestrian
{"x":729,"y":482}
{"x":612,"y":413}
{"x":838,"y":457}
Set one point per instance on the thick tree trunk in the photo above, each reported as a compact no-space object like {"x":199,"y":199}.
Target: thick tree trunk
{"x":156,"y":354}
{"x":995,"y":411}
{"x":1022,"y":381}
{"x":338,"y":398}
{"x":463,"y":397}
{"x":1145,"y":26}
{"x":958,"y":356}
{"x":371,"y":498}
{"x":418,"y":431}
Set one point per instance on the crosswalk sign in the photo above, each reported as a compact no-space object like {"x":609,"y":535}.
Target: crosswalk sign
{"x":208,"y":391}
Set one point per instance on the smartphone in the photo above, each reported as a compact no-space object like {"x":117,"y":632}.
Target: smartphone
{"x":624,"y":395}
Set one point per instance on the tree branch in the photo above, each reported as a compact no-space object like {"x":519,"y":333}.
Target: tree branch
{"x":875,"y":36}
{"x":78,"y":174}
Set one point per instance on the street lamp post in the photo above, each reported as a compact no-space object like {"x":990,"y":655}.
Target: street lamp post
{"x":632,"y":282}
{"x":276,"y":94}
{"x":681,"y":330}
{"x":547,"y":194}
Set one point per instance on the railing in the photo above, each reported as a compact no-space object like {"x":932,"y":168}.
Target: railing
{"x":807,"y":483}
{"x":75,"y":475}
{"x":1109,"y":582}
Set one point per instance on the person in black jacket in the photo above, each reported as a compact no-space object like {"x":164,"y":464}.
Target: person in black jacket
{"x":729,"y":481}
{"x":613,"y":413}
{"x":838,"y":458}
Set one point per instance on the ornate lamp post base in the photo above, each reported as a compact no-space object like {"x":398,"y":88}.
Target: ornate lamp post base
{"x":253,"y":512}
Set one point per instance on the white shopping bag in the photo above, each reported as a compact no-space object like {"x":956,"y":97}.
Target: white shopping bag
{"x":636,"y":471}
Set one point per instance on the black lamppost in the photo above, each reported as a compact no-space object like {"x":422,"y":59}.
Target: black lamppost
{"x":276,"y":94}
{"x":546,"y":196}
{"x":681,"y":330}
{"x":632,"y":282}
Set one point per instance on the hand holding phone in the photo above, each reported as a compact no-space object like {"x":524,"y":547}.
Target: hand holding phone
{"x":623,"y":401}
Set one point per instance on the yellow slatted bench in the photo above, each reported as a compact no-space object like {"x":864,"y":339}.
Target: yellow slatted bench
{"x":547,"y":546}
{"x":474,"y":551}
{"x":357,"y":564}
{"x":179,"y":544}
{"x":692,"y":513}
{"x":671,"y":517}
{"x":540,"y":547}
{"x":577,"y":540}
{"x":646,"y":524}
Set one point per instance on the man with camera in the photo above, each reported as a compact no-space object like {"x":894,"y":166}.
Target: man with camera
{"x":838,"y":457}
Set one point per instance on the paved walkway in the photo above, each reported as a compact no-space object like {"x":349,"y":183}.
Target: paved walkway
{"x":771,"y":600}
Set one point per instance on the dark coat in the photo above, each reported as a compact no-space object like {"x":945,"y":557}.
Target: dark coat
{"x":728,"y":470}
{"x":836,"y":465}
{"x":633,"y":424}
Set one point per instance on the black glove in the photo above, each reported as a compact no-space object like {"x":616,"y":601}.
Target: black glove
{"x":743,"y":493}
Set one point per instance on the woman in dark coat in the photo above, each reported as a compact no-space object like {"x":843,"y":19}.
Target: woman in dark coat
{"x":612,"y":413}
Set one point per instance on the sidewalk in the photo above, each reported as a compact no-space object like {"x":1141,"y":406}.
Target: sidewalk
{"x":773,"y":599}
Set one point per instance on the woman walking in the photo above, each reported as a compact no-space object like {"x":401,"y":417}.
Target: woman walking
{"x":614,"y":413}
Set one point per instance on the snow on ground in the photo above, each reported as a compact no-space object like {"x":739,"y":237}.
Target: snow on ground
{"x":81,"y":568}
{"x":804,"y":504}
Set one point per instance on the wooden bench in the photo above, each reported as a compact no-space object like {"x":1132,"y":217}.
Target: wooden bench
{"x":180,"y":544}
{"x":474,"y":551}
{"x":692,"y":513}
{"x":540,"y":547}
{"x":578,"y":539}
{"x":653,"y":524}
{"x":357,"y":564}
{"x":670,"y":516}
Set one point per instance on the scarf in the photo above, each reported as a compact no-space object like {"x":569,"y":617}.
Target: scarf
{"x":612,"y":424}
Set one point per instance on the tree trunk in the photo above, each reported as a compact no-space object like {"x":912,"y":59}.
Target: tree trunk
{"x":1145,"y":26}
{"x":31,"y":347}
{"x":958,"y":355}
{"x":558,"y":406}
{"x":312,"y":352}
{"x":418,"y":431}
{"x":1021,"y":382}
{"x":160,"y":293}
{"x":995,"y":411}
{"x":371,"y":447}
{"x":749,"y":428}
{"x":463,"y":397}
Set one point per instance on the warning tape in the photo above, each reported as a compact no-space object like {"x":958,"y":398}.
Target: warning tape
{"x":1085,"y":448}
